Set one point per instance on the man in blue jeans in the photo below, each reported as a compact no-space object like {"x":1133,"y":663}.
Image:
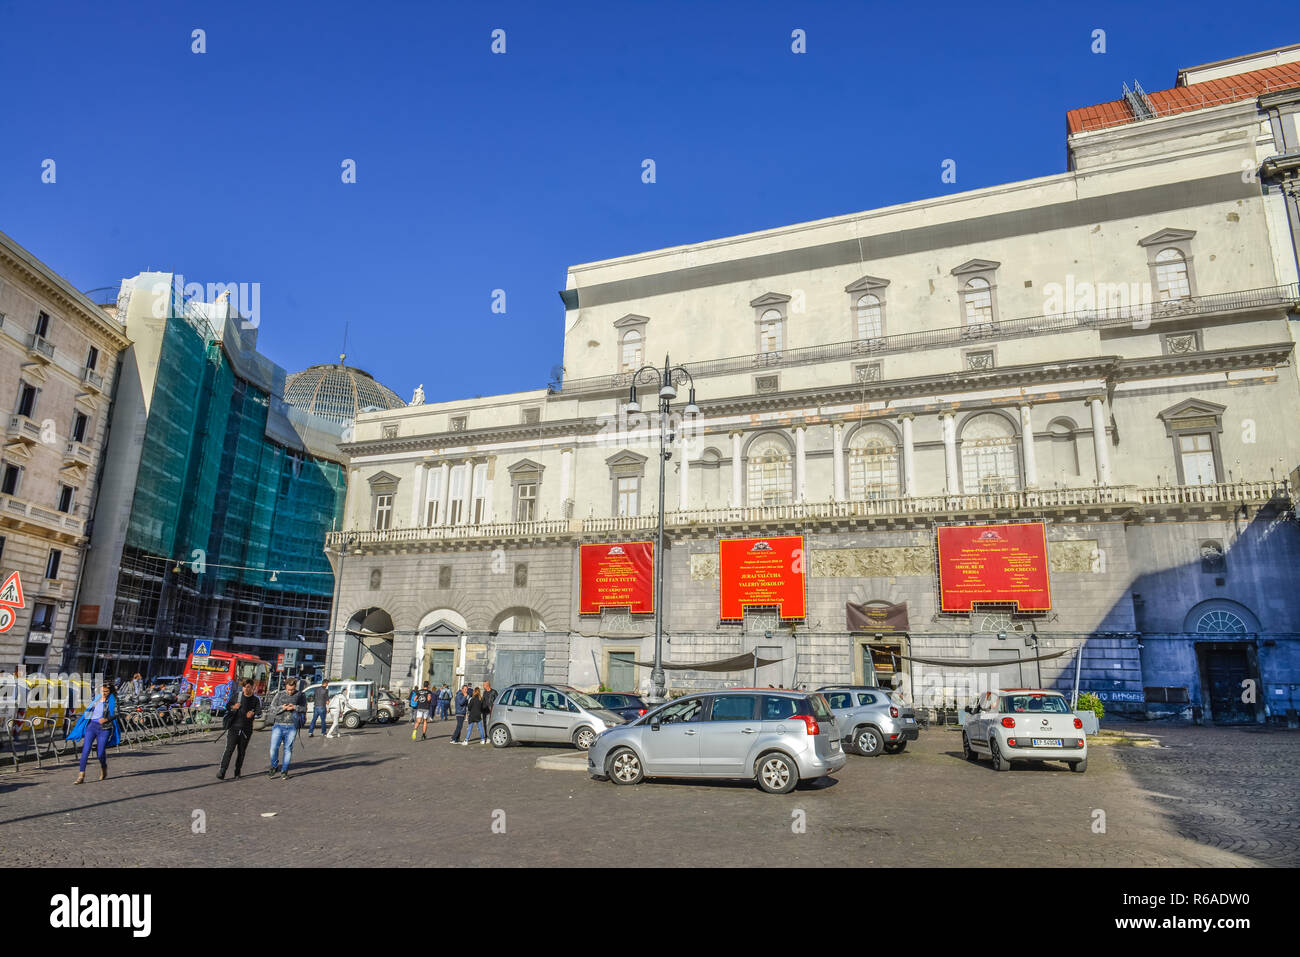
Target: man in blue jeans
{"x":462,"y":707}
{"x":287,"y":708}
{"x":320,"y":702}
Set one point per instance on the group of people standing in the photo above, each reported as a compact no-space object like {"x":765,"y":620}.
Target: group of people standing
{"x":470,"y":702}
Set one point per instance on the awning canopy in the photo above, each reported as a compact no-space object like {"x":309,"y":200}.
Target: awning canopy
{"x":746,"y":662}
{"x":982,"y":662}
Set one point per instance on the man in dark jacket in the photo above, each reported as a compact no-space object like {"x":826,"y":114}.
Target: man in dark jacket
{"x":489,"y":699}
{"x":240,"y":730}
{"x":462,"y":706}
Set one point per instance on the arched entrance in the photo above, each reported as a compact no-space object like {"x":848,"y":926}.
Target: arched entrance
{"x":519,"y":659}
{"x":1227,"y":660}
{"x":368,"y":647}
{"x":437,"y":646}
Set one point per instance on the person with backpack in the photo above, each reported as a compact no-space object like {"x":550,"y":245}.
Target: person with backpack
{"x":444,"y":702}
{"x":423,"y":704}
{"x":97,"y":730}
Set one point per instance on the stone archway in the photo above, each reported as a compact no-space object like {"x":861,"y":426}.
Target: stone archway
{"x":437,"y":644}
{"x":518,"y":619}
{"x":368,"y":647}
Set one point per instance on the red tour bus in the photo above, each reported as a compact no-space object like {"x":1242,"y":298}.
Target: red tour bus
{"x":211,"y":678}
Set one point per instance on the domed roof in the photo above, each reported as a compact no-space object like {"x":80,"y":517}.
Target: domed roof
{"x":338,"y":392}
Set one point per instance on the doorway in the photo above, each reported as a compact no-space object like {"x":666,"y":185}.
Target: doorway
{"x":622,"y":672}
{"x":1227,"y":668}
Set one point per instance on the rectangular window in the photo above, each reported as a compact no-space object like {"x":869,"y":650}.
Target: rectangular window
{"x":1197,"y":453}
{"x":459,"y":477}
{"x":457,"y":510}
{"x":433,"y":498}
{"x":629,"y":497}
{"x":478,"y":493}
{"x":532,"y":416}
{"x":43,"y":325}
{"x":65,"y":498}
{"x":43,"y":617}
{"x":2,"y":547}
{"x":526,"y":502}
{"x":26,"y":399}
{"x":52,"y":564}
{"x":9,"y":485}
{"x":383,"y":511}
{"x":92,"y":358}
{"x":79,"y":424}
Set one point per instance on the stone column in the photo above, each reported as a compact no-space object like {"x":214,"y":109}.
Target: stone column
{"x":444,"y":507}
{"x":800,"y":464}
{"x":419,"y":478}
{"x":837,"y":435}
{"x":467,"y":504}
{"x":949,"y":420}
{"x":1027,"y":447}
{"x":909,"y":456}
{"x":737,"y":472}
{"x":1099,"y":449}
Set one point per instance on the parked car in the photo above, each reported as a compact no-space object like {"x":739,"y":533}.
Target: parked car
{"x":873,"y":719}
{"x":362,"y":701}
{"x":777,"y":738}
{"x":390,"y":707}
{"x":626,"y":706}
{"x":1024,"y":724}
{"x":551,"y":713}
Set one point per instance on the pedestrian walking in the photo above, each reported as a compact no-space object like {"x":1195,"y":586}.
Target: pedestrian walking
{"x":97,"y":728}
{"x":462,"y":708}
{"x":475,"y":709}
{"x":339,"y":708}
{"x":320,"y":707}
{"x":489,"y":701}
{"x":288,"y":710}
{"x":240,"y":729}
{"x":444,"y":702}
{"x":423,"y":707}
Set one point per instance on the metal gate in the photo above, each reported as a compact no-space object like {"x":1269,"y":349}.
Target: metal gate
{"x":442,"y":667}
{"x":519,"y":667}
{"x":1226,"y":670}
{"x":622,"y":671}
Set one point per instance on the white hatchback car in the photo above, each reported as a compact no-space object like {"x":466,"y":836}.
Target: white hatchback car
{"x":1024,"y":724}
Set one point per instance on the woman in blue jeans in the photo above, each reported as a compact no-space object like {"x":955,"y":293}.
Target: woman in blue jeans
{"x":96,"y":728}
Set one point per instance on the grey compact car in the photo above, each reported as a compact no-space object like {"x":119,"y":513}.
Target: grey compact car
{"x":551,"y":713}
{"x":872,"y":719}
{"x":777,"y":738}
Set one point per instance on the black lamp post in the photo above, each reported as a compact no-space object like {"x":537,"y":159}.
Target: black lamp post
{"x":663,"y":378}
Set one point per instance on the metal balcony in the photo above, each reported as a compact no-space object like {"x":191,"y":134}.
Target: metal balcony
{"x":40,"y":348}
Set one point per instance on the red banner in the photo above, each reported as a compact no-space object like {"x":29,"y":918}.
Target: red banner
{"x":761,"y":571}
{"x":617,"y":574}
{"x":994,"y":563}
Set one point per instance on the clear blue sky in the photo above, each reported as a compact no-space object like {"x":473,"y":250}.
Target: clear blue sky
{"x":478,"y":171}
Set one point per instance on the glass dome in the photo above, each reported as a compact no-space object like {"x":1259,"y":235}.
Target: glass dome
{"x":338,"y":392}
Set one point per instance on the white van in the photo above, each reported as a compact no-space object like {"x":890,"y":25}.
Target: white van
{"x":361,"y":701}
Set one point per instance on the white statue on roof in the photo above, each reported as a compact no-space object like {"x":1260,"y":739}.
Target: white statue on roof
{"x":418,"y":397}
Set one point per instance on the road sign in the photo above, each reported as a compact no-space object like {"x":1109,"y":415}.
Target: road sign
{"x":279,"y":662}
{"x":7,"y":618}
{"x":11,"y":592}
{"x":291,"y":656}
{"x":203,"y":647}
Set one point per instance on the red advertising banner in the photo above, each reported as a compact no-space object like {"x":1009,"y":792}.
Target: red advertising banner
{"x":761,"y":571}
{"x":617,"y":574}
{"x":994,"y":563}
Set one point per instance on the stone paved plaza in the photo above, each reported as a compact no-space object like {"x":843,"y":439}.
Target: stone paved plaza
{"x":1206,"y":797}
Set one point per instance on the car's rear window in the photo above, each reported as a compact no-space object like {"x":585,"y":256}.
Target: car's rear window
{"x":1034,"y":704}
{"x":776,"y":707}
{"x":819,"y":708}
{"x":733,"y":707}
{"x":523,"y":697}
{"x":866,"y":697}
{"x":839,"y":699}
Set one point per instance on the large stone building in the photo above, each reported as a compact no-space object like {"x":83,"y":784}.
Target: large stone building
{"x":58,"y":362}
{"x":1107,"y":351}
{"x":217,"y":492}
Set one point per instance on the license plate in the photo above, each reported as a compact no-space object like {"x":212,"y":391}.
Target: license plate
{"x":1047,"y":742}
{"x":835,"y":745}
{"x":909,"y":721}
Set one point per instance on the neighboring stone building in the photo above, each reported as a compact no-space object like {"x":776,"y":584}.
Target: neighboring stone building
{"x":217,"y":495}
{"x":1106,"y":350}
{"x":58,"y":362}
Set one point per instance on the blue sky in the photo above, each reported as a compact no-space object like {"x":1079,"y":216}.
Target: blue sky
{"x":478,"y":172}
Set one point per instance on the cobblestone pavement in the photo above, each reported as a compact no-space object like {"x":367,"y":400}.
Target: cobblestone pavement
{"x":1211,"y":797}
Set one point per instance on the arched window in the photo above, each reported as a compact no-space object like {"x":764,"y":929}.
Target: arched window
{"x":1171,"y":276}
{"x":771,"y":473}
{"x":977,"y":304}
{"x":870,"y":317}
{"x":771,"y":332}
{"x":1220,"y":622}
{"x":873,"y":464}
{"x":988,"y":454}
{"x":631,"y":351}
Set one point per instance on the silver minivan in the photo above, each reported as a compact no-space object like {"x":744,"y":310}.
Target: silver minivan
{"x":774,"y":737}
{"x":555,"y":714}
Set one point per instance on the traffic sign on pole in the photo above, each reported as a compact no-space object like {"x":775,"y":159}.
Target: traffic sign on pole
{"x":7,"y":618}
{"x":11,"y":592}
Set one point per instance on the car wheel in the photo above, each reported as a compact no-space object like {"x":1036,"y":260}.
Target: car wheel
{"x":385,"y":717}
{"x":500,"y":736}
{"x":868,"y":741}
{"x":1078,"y":766}
{"x":999,"y":762}
{"x":967,"y":751}
{"x":898,"y":748}
{"x":777,"y":773}
{"x":353,"y":720}
{"x":584,"y":738}
{"x":624,"y":767}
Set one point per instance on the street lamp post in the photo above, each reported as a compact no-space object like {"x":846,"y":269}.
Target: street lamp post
{"x":652,"y":376}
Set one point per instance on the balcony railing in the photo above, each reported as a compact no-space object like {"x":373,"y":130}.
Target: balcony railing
{"x":21,"y":427}
{"x":1027,"y":500}
{"x":93,"y":379}
{"x":1106,"y":317}
{"x":40,"y":347}
{"x":45,"y":517}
